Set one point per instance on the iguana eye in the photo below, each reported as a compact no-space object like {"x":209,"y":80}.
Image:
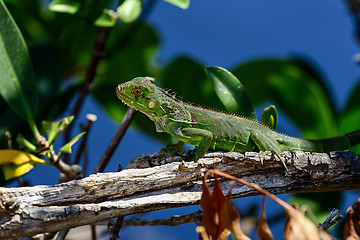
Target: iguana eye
{"x":137,"y":92}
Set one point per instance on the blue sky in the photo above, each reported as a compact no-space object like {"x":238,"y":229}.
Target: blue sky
{"x":226,"y":33}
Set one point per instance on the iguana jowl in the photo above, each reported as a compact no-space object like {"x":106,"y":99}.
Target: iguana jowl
{"x":206,"y":128}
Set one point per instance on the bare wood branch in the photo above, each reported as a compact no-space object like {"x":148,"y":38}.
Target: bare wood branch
{"x":27,"y":211}
{"x":175,"y":220}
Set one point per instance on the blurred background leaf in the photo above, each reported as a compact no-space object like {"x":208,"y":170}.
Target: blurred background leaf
{"x":287,"y":85}
{"x":65,"y":6}
{"x":129,"y":10}
{"x":184,"y":4}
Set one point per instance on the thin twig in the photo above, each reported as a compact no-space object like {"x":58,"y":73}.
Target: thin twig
{"x":93,"y":232}
{"x":129,"y":116}
{"x":90,"y":119}
{"x":330,"y":221}
{"x":8,"y":138}
{"x":114,"y":229}
{"x":62,"y":234}
{"x":97,"y":54}
{"x":175,"y":220}
{"x":69,"y":172}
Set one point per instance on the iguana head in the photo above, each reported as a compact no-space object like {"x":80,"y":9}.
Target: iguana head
{"x":143,"y":95}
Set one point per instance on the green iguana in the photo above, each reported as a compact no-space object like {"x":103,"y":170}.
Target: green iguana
{"x":206,"y":128}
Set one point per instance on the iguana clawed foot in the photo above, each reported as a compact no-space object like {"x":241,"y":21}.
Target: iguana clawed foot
{"x":262,"y":155}
{"x":172,"y":149}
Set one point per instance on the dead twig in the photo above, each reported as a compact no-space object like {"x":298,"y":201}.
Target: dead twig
{"x":129,"y":116}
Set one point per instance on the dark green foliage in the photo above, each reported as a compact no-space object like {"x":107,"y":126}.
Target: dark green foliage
{"x":290,"y":88}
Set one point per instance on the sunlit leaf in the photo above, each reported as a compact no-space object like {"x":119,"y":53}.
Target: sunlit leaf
{"x":231,"y":92}
{"x":16,"y":75}
{"x":184,"y":4}
{"x":53,"y":129}
{"x":16,"y":163}
{"x":269,"y":116}
{"x":65,"y":6}
{"x":129,"y":10}
{"x":67,"y":147}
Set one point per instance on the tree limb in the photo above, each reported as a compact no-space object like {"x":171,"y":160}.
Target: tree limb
{"x":27,"y":211}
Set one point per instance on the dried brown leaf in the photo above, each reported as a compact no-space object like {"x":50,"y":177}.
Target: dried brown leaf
{"x":263,"y":230}
{"x":350,"y":229}
{"x":201,"y":230}
{"x":298,"y":227}
{"x":220,"y":217}
{"x":210,"y":219}
{"x":230,"y":220}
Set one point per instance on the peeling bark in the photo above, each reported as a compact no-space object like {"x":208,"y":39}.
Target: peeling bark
{"x":27,"y":211}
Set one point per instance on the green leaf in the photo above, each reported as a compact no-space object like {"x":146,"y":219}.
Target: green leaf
{"x":293,"y":89}
{"x":184,"y":4}
{"x":106,"y":19}
{"x":231,"y":92}
{"x":187,"y":78}
{"x":319,"y":202}
{"x":67,"y":147}
{"x":129,"y":10}
{"x":53,"y":129}
{"x":65,"y":6}
{"x":16,"y":163}
{"x":269,"y":116}
{"x":16,"y":75}
{"x":23,"y":142}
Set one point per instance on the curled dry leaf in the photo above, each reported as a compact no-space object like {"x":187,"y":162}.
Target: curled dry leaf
{"x":353,"y":222}
{"x":263,"y":230}
{"x":298,"y":227}
{"x":230,"y":219}
{"x":220,"y":217}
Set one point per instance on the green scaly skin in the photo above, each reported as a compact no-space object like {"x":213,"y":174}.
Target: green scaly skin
{"x":205,"y":128}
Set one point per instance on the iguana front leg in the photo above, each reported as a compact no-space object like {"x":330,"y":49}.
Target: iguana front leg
{"x":194,"y":136}
{"x":266,"y":144}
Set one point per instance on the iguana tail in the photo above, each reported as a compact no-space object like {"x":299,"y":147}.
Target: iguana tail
{"x":338,"y":143}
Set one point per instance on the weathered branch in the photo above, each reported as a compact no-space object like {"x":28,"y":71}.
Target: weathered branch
{"x":27,"y":211}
